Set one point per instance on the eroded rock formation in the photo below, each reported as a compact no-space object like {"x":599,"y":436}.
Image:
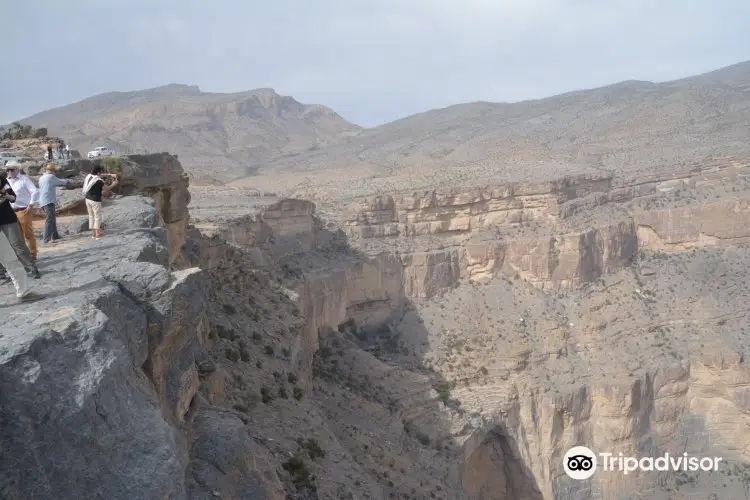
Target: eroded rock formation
{"x":600,"y":361}
{"x":432,"y":345}
{"x":95,"y":379}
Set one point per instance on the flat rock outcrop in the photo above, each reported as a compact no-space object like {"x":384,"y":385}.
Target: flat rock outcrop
{"x":83,"y":372}
{"x":98,"y":380}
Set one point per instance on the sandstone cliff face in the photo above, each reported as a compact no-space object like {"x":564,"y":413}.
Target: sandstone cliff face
{"x":555,"y":384}
{"x":542,"y":231}
{"x":344,"y":286}
{"x":666,"y":410}
{"x":725,"y":222}
{"x":166,"y":363}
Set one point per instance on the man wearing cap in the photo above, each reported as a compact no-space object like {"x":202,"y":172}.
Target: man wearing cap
{"x":9,"y":256}
{"x":26,"y":197}
{"x":48,"y":183}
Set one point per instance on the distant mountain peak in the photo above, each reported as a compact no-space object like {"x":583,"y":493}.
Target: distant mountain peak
{"x":268,"y":97}
{"x":177,"y":88}
{"x":226,"y":132}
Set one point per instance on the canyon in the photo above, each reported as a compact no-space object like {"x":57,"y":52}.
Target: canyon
{"x":431,"y":344}
{"x":437,"y":308}
{"x":599,"y":309}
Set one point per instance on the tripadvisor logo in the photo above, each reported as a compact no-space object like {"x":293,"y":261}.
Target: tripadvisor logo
{"x":581,"y":463}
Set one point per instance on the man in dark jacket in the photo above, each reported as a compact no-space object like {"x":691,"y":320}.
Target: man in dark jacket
{"x":9,"y":258}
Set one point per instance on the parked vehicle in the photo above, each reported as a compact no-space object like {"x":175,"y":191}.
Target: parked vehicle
{"x":6,"y":156}
{"x":99,"y":152}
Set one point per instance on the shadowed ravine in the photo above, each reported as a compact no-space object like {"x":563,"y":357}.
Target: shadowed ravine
{"x":448,"y":344}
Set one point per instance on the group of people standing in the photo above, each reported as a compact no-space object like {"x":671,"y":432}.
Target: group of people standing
{"x":18,"y":195}
{"x":63,"y":152}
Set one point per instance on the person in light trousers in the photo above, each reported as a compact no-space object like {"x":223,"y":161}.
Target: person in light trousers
{"x":27,"y":196}
{"x":8,"y":255}
{"x":93,"y":190}
{"x":48,"y":183}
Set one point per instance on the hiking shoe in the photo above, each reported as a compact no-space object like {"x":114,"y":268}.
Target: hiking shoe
{"x":34,"y":272}
{"x":4,"y":279}
{"x":30,"y":297}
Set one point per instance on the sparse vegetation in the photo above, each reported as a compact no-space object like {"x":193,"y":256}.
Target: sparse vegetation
{"x":20,"y":131}
{"x":312,"y":447}
{"x":266,"y":395}
{"x":298,"y":393}
{"x":113,"y":165}
{"x":300,"y":474}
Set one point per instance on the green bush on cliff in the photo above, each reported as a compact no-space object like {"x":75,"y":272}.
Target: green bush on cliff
{"x":312,"y":447}
{"x":300,"y":474}
{"x":20,"y":131}
{"x":111,"y":165}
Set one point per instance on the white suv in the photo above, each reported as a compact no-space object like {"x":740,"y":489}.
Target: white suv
{"x":6,"y":156}
{"x":100,"y":151}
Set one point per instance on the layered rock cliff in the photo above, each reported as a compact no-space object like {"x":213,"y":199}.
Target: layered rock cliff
{"x":440,"y":345}
{"x":561,"y":233}
{"x":450,"y":270}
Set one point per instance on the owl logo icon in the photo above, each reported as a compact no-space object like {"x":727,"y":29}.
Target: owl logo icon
{"x":579,"y":463}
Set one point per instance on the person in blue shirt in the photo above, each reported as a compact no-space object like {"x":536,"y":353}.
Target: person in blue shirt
{"x":48,"y":183}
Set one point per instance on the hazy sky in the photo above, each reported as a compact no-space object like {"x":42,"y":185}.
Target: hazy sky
{"x":371,"y":60}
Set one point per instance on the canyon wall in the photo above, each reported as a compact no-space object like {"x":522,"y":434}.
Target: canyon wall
{"x":416,"y":247}
{"x":138,"y":370}
{"x":550,"y":234}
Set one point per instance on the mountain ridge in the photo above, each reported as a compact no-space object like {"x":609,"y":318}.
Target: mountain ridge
{"x":626,"y":126}
{"x":224,"y":133}
{"x":260,"y":132}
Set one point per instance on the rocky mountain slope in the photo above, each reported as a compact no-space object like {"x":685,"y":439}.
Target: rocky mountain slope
{"x":224,"y":136}
{"x":448,"y":344}
{"x":480,"y":333}
{"x":299,"y":148}
{"x":629,"y":126}
{"x":444,"y":334}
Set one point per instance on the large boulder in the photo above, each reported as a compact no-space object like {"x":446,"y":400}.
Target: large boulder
{"x":96,"y":379}
{"x":157,"y":176}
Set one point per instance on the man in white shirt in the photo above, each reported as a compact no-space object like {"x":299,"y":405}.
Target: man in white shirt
{"x":26,"y":197}
{"x":12,"y":233}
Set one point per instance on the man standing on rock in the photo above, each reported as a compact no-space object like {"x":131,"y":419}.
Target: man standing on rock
{"x":8,"y":256}
{"x":26,"y":195}
{"x":48,"y":183}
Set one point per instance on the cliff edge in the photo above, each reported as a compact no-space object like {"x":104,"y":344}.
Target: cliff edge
{"x":440,"y":344}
